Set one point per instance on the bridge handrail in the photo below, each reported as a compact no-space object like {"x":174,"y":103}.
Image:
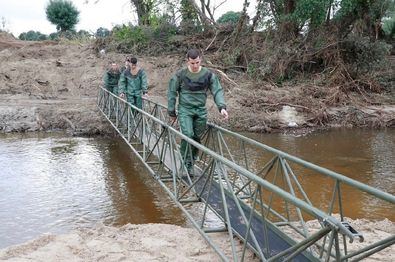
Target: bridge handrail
{"x":317,"y":213}
{"x":349,"y":181}
{"x":154,"y":120}
{"x":354,"y":183}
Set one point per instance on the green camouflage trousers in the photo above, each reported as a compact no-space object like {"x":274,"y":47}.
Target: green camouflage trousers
{"x":193,"y":124}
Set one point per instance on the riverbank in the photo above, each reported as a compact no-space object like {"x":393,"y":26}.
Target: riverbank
{"x":50,"y":86}
{"x":158,"y":242}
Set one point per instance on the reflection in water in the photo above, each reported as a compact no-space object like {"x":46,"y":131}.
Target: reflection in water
{"x":363,"y":155}
{"x":127,"y":181}
{"x":49,"y":183}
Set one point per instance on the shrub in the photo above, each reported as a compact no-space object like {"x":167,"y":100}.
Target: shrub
{"x":389,"y":27}
{"x":32,"y":36}
{"x":102,"y":32}
{"x":229,"y":17}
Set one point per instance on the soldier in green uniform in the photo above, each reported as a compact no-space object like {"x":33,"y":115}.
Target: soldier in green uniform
{"x":191,"y":85}
{"x":126,"y":64}
{"x":111,"y":78}
{"x":133,"y":84}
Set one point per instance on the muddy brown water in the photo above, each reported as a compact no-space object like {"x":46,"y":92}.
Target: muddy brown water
{"x":366,"y":156}
{"x":52,"y":183}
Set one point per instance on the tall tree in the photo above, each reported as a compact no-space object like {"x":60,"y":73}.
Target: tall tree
{"x":207,"y":22}
{"x":63,"y":14}
{"x":144,"y":9}
{"x":190,"y":18}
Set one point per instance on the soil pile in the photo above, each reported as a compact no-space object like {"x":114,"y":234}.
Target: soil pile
{"x":53,"y":85}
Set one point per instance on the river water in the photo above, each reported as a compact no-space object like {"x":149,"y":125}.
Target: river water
{"x":54,"y":183}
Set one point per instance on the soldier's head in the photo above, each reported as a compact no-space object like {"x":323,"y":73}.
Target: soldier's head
{"x":133,"y":62}
{"x":114,"y":67}
{"x":193,"y":60}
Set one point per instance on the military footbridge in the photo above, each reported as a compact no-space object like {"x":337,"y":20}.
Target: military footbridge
{"x":261,"y":206}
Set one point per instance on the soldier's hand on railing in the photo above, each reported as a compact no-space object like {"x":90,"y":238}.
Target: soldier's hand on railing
{"x":173,"y":119}
{"x":145,"y":96}
{"x":224,"y":113}
{"x":173,"y":122}
{"x":122,"y":95}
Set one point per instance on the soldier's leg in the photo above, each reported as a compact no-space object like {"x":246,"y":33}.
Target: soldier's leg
{"x":186,"y":124}
{"x":199,"y":126}
{"x":139,"y":102}
{"x":131,"y":101}
{"x":137,"y":115}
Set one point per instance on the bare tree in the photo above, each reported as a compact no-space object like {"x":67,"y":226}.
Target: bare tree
{"x":207,"y":22}
{"x":241,"y":24}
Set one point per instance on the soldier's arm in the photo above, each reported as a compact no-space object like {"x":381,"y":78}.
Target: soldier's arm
{"x":217,"y":92}
{"x":172,"y":96}
{"x":144,"y":83}
{"x":122,"y":84}
{"x":105,"y":80}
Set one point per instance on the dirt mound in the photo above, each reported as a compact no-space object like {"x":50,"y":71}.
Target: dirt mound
{"x":46,"y":85}
{"x":49,"y":86}
{"x":53,"y":85}
{"x":8,"y":41}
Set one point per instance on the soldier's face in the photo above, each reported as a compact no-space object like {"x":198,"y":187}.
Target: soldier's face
{"x":114,"y":67}
{"x":194,"y":64}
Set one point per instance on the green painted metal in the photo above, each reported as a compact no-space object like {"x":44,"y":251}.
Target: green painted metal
{"x":242,"y":185}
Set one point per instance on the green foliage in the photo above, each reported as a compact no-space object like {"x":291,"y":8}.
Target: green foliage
{"x":311,"y":11}
{"x":54,"y":36}
{"x":160,"y":31}
{"x":363,"y":9}
{"x":144,"y":9}
{"x":83,"y":34}
{"x":32,"y":36}
{"x":102,"y":32}
{"x":362,"y":54}
{"x":131,"y":35}
{"x":229,"y":17}
{"x":163,"y":28}
{"x":63,"y":14}
{"x":190,"y":22}
{"x":389,"y":27}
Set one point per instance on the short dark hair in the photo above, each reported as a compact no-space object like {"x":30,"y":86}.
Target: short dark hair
{"x":193,"y":53}
{"x":133,"y":60}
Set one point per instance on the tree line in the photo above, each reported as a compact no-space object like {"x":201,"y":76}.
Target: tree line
{"x":288,"y":19}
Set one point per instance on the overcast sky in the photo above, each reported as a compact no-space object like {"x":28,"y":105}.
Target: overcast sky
{"x":24,"y":15}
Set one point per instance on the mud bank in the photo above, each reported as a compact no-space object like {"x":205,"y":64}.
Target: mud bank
{"x":53,"y":85}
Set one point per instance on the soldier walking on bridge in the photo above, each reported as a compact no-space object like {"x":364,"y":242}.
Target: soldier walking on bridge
{"x":191,"y":85}
{"x":111,"y":78}
{"x":133,"y":84}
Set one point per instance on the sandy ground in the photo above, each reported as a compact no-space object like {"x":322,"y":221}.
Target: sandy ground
{"x":148,"y":242}
{"x":160,"y":242}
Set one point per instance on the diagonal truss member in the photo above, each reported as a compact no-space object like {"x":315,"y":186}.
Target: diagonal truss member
{"x":261,"y":204}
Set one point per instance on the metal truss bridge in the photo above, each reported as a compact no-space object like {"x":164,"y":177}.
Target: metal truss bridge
{"x":260,"y":205}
